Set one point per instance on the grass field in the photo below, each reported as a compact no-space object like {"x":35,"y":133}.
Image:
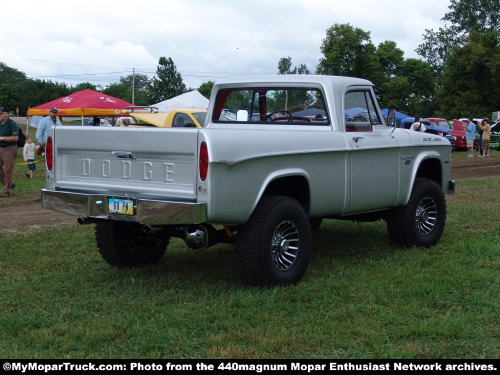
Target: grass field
{"x":361,"y":297}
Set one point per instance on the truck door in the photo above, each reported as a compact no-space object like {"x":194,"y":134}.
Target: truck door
{"x":373,"y":153}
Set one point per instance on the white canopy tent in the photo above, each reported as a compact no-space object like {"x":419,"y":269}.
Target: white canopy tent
{"x":189,"y":100}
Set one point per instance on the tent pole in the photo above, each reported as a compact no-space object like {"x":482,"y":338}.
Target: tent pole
{"x":133,"y":86}
{"x":82,"y":120}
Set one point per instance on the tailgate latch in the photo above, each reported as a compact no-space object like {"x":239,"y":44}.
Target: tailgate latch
{"x":124,"y":155}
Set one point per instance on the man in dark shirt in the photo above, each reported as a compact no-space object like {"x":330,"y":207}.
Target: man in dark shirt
{"x":9,"y":134}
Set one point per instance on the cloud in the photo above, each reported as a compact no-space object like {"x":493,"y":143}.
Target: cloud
{"x":205,"y":39}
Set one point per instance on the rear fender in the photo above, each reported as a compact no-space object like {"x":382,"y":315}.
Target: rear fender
{"x":289,"y":172}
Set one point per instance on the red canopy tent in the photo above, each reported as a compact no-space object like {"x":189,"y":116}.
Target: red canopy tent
{"x":82,"y":103}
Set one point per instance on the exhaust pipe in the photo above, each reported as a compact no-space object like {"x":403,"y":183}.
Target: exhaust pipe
{"x":86,"y":220}
{"x":196,"y":237}
{"x":202,"y":236}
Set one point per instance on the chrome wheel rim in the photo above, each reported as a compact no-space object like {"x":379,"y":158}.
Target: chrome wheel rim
{"x":285,"y":245}
{"x":426,"y":216}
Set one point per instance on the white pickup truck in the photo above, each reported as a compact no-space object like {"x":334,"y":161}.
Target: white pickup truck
{"x":296,"y":149}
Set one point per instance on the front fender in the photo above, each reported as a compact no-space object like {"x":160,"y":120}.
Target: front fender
{"x":419,"y":159}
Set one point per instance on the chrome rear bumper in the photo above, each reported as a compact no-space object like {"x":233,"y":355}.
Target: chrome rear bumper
{"x":148,"y":212}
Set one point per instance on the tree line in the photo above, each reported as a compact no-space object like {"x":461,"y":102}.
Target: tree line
{"x":458,"y":75}
{"x":19,"y":91}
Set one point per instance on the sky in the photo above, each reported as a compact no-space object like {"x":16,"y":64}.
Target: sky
{"x":98,"y":41}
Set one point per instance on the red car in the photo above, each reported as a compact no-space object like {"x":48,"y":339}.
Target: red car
{"x":461,"y":134}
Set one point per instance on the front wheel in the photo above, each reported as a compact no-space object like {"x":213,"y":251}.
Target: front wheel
{"x":421,"y":221}
{"x":123,"y":244}
{"x":273,"y":247}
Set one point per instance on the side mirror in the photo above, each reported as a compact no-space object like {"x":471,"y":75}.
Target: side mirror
{"x":391,"y":115}
{"x":242,"y":115}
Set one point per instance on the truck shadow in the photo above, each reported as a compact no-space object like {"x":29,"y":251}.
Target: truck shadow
{"x":336,"y":242}
{"x":346,"y":240}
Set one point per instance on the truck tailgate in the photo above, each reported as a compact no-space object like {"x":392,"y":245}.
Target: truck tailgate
{"x":136,"y":161}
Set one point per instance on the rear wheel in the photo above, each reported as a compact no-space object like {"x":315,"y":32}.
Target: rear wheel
{"x":421,"y":221}
{"x":273,"y":246}
{"x":123,"y":244}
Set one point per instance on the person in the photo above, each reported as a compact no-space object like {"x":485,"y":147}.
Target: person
{"x":9,"y":135}
{"x":470,"y":127}
{"x":96,"y":121}
{"x":480,"y":141}
{"x":417,"y":125}
{"x":47,"y":123}
{"x":29,"y":156}
{"x":486,"y":129}
{"x":17,"y":111}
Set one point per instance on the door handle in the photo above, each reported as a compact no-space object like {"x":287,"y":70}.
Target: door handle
{"x":356,"y":139}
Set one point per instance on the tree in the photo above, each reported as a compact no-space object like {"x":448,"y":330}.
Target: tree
{"x":465,"y":16}
{"x":205,"y":89}
{"x":474,"y":15}
{"x":11,"y":81}
{"x":412,"y":89}
{"x":389,"y":57}
{"x":123,"y":89}
{"x":38,"y":91}
{"x":301,"y":69}
{"x":471,"y":78}
{"x":348,"y":51}
{"x":437,"y":46}
{"x":168,"y":82}
{"x":84,"y":86}
{"x":285,"y":67}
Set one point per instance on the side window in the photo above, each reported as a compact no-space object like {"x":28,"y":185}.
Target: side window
{"x":359,"y":111}
{"x":181,"y":120}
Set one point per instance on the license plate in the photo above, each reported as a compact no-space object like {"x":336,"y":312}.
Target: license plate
{"x":121,"y":206}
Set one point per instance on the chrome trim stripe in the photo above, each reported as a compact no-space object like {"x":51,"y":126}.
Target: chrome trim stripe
{"x":149,"y":212}
{"x":318,"y":151}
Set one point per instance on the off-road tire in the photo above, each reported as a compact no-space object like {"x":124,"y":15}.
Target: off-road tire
{"x":404,"y":226}
{"x":123,"y":244}
{"x":259,"y":262}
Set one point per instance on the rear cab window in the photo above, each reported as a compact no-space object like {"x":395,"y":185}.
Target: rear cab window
{"x":265,"y":105}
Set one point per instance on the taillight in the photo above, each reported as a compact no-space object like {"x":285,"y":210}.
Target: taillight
{"x":203,"y":161}
{"x":49,"y":153}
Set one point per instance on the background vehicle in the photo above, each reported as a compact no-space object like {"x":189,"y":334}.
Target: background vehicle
{"x":495,"y":136}
{"x":442,"y":127}
{"x":180,"y":118}
{"x":432,"y":127}
{"x":268,"y":176}
{"x":460,"y":134}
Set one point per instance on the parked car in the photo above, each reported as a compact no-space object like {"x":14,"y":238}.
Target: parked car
{"x":495,"y":136}
{"x":179,"y":118}
{"x":268,"y":179}
{"x":460,"y":133}
{"x":442,"y":127}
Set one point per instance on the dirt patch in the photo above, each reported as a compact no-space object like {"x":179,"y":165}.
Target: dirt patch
{"x":475,"y":167}
{"x":25,"y":216}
